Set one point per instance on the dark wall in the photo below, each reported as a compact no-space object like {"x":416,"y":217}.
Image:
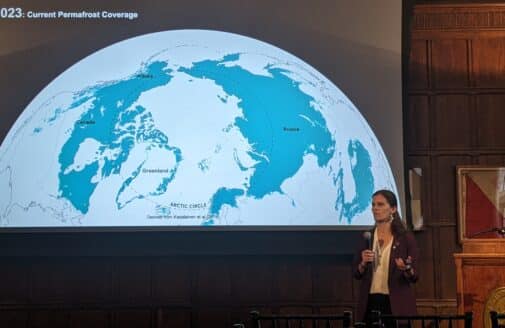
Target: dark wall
{"x":193,"y":279}
{"x":454,"y":115}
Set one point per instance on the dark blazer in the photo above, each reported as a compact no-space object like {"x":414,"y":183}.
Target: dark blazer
{"x":401,"y":294}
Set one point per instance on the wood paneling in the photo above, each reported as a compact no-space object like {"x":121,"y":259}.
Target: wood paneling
{"x":492,"y":160}
{"x":213,"y":317}
{"x":174,"y":318}
{"x":449,"y":63}
{"x":67,"y":280}
{"x":489,"y":62}
{"x":491,"y":121}
{"x":446,"y":266}
{"x":293,"y":280}
{"x":46,"y":318}
{"x":132,"y":318}
{"x":418,"y":64}
{"x":445,"y":186}
{"x":418,"y":121}
{"x":14,"y":288}
{"x":92,"y":318}
{"x":252,"y":280}
{"x":325,"y":287}
{"x":452,"y":122}
{"x":213,"y":284}
{"x":133,"y":281}
{"x":13,"y":319}
{"x":465,"y":88}
{"x":172,"y":280}
{"x":425,"y":287}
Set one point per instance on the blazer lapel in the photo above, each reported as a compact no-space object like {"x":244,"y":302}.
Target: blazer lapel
{"x":393,"y":255}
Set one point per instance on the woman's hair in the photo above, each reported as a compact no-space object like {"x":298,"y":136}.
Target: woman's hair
{"x":397,"y":226}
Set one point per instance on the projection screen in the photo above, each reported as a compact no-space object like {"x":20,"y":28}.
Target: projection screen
{"x":184,"y":114}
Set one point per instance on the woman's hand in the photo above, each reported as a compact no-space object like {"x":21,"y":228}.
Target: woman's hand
{"x":367,"y":256}
{"x":404,"y":265}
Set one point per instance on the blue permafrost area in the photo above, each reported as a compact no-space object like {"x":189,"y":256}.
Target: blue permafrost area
{"x":273,"y":107}
{"x":361,"y":167}
{"x":109,"y":104}
{"x":224,"y":197}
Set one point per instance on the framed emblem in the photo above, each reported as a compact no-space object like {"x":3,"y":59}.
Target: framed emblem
{"x":481,"y":202}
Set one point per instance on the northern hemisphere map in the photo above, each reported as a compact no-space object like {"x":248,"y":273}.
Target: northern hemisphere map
{"x":190,"y":128}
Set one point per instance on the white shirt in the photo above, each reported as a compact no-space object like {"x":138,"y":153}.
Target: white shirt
{"x":380,"y":267}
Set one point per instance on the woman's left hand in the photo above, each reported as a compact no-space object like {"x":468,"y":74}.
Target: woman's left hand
{"x":400,"y":264}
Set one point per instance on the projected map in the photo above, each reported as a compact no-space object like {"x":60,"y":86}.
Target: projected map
{"x":191,"y":128}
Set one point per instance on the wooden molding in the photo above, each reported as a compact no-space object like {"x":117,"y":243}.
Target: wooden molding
{"x":459,"y":17}
{"x":492,"y":246}
{"x":438,"y":303}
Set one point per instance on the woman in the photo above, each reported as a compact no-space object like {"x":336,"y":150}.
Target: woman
{"x":386,"y":263}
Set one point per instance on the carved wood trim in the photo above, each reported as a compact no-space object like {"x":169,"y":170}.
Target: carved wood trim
{"x":459,"y":17}
{"x":491,"y":246}
{"x":436,"y":306}
{"x":459,"y":284}
{"x":481,"y":262}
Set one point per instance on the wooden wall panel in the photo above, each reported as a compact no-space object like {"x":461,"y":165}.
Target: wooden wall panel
{"x":491,"y":160}
{"x":212,"y":317}
{"x":82,"y":280}
{"x":213,"y":283}
{"x":440,"y":306}
{"x":452,"y":122}
{"x":418,"y":64}
{"x":172,"y":280}
{"x":13,"y":319}
{"x":446,"y":265}
{"x":449,"y":63}
{"x":293,"y":280}
{"x":489,"y":62}
{"x":251,"y":280}
{"x":14,"y":282}
{"x":334,"y":309}
{"x":445,"y":186}
{"x":133,"y":280}
{"x":174,"y":318}
{"x":89,"y":318}
{"x":465,"y":85}
{"x":425,"y":287}
{"x":296,"y":309}
{"x":132,"y":318}
{"x":418,"y":121}
{"x":48,"y":318}
{"x":491,"y":121}
{"x":325,"y":287}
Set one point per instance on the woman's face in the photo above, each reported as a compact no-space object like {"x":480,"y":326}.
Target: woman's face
{"x":381,"y":209}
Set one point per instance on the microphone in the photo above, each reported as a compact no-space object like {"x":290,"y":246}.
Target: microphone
{"x":500,"y":231}
{"x":368,"y":238}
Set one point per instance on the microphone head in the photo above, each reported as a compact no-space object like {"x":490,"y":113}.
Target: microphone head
{"x":368,"y":237}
